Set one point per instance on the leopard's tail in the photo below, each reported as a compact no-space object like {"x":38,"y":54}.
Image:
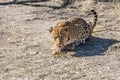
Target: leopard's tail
{"x":93,"y":12}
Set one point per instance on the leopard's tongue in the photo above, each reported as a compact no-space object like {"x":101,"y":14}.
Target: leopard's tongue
{"x":60,"y":46}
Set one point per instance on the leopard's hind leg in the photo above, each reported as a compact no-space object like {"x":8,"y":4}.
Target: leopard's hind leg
{"x":77,"y":43}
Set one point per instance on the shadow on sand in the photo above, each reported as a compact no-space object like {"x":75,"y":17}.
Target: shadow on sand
{"x":95,"y":47}
{"x":32,"y":3}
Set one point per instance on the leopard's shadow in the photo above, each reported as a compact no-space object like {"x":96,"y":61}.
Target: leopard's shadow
{"x":94,"y":47}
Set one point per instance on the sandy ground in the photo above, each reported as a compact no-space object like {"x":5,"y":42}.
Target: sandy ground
{"x":25,"y":45}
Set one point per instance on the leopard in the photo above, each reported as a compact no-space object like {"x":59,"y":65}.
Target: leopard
{"x":72,"y":32}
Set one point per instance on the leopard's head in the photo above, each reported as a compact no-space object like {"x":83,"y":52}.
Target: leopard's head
{"x":60,"y":34}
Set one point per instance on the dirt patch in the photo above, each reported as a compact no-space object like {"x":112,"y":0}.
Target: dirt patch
{"x":25,"y":50}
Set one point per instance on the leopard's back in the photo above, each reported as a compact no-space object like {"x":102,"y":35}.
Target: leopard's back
{"x":78,"y":30}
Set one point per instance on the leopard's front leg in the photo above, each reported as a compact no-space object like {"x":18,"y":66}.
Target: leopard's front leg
{"x":56,"y":50}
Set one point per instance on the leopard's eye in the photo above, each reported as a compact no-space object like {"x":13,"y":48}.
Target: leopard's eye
{"x":60,"y":37}
{"x":55,"y":38}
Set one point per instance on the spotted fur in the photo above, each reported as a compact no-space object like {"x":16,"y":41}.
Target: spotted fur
{"x":72,"y":32}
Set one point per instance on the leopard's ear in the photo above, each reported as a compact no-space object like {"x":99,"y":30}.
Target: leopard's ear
{"x":51,"y":29}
